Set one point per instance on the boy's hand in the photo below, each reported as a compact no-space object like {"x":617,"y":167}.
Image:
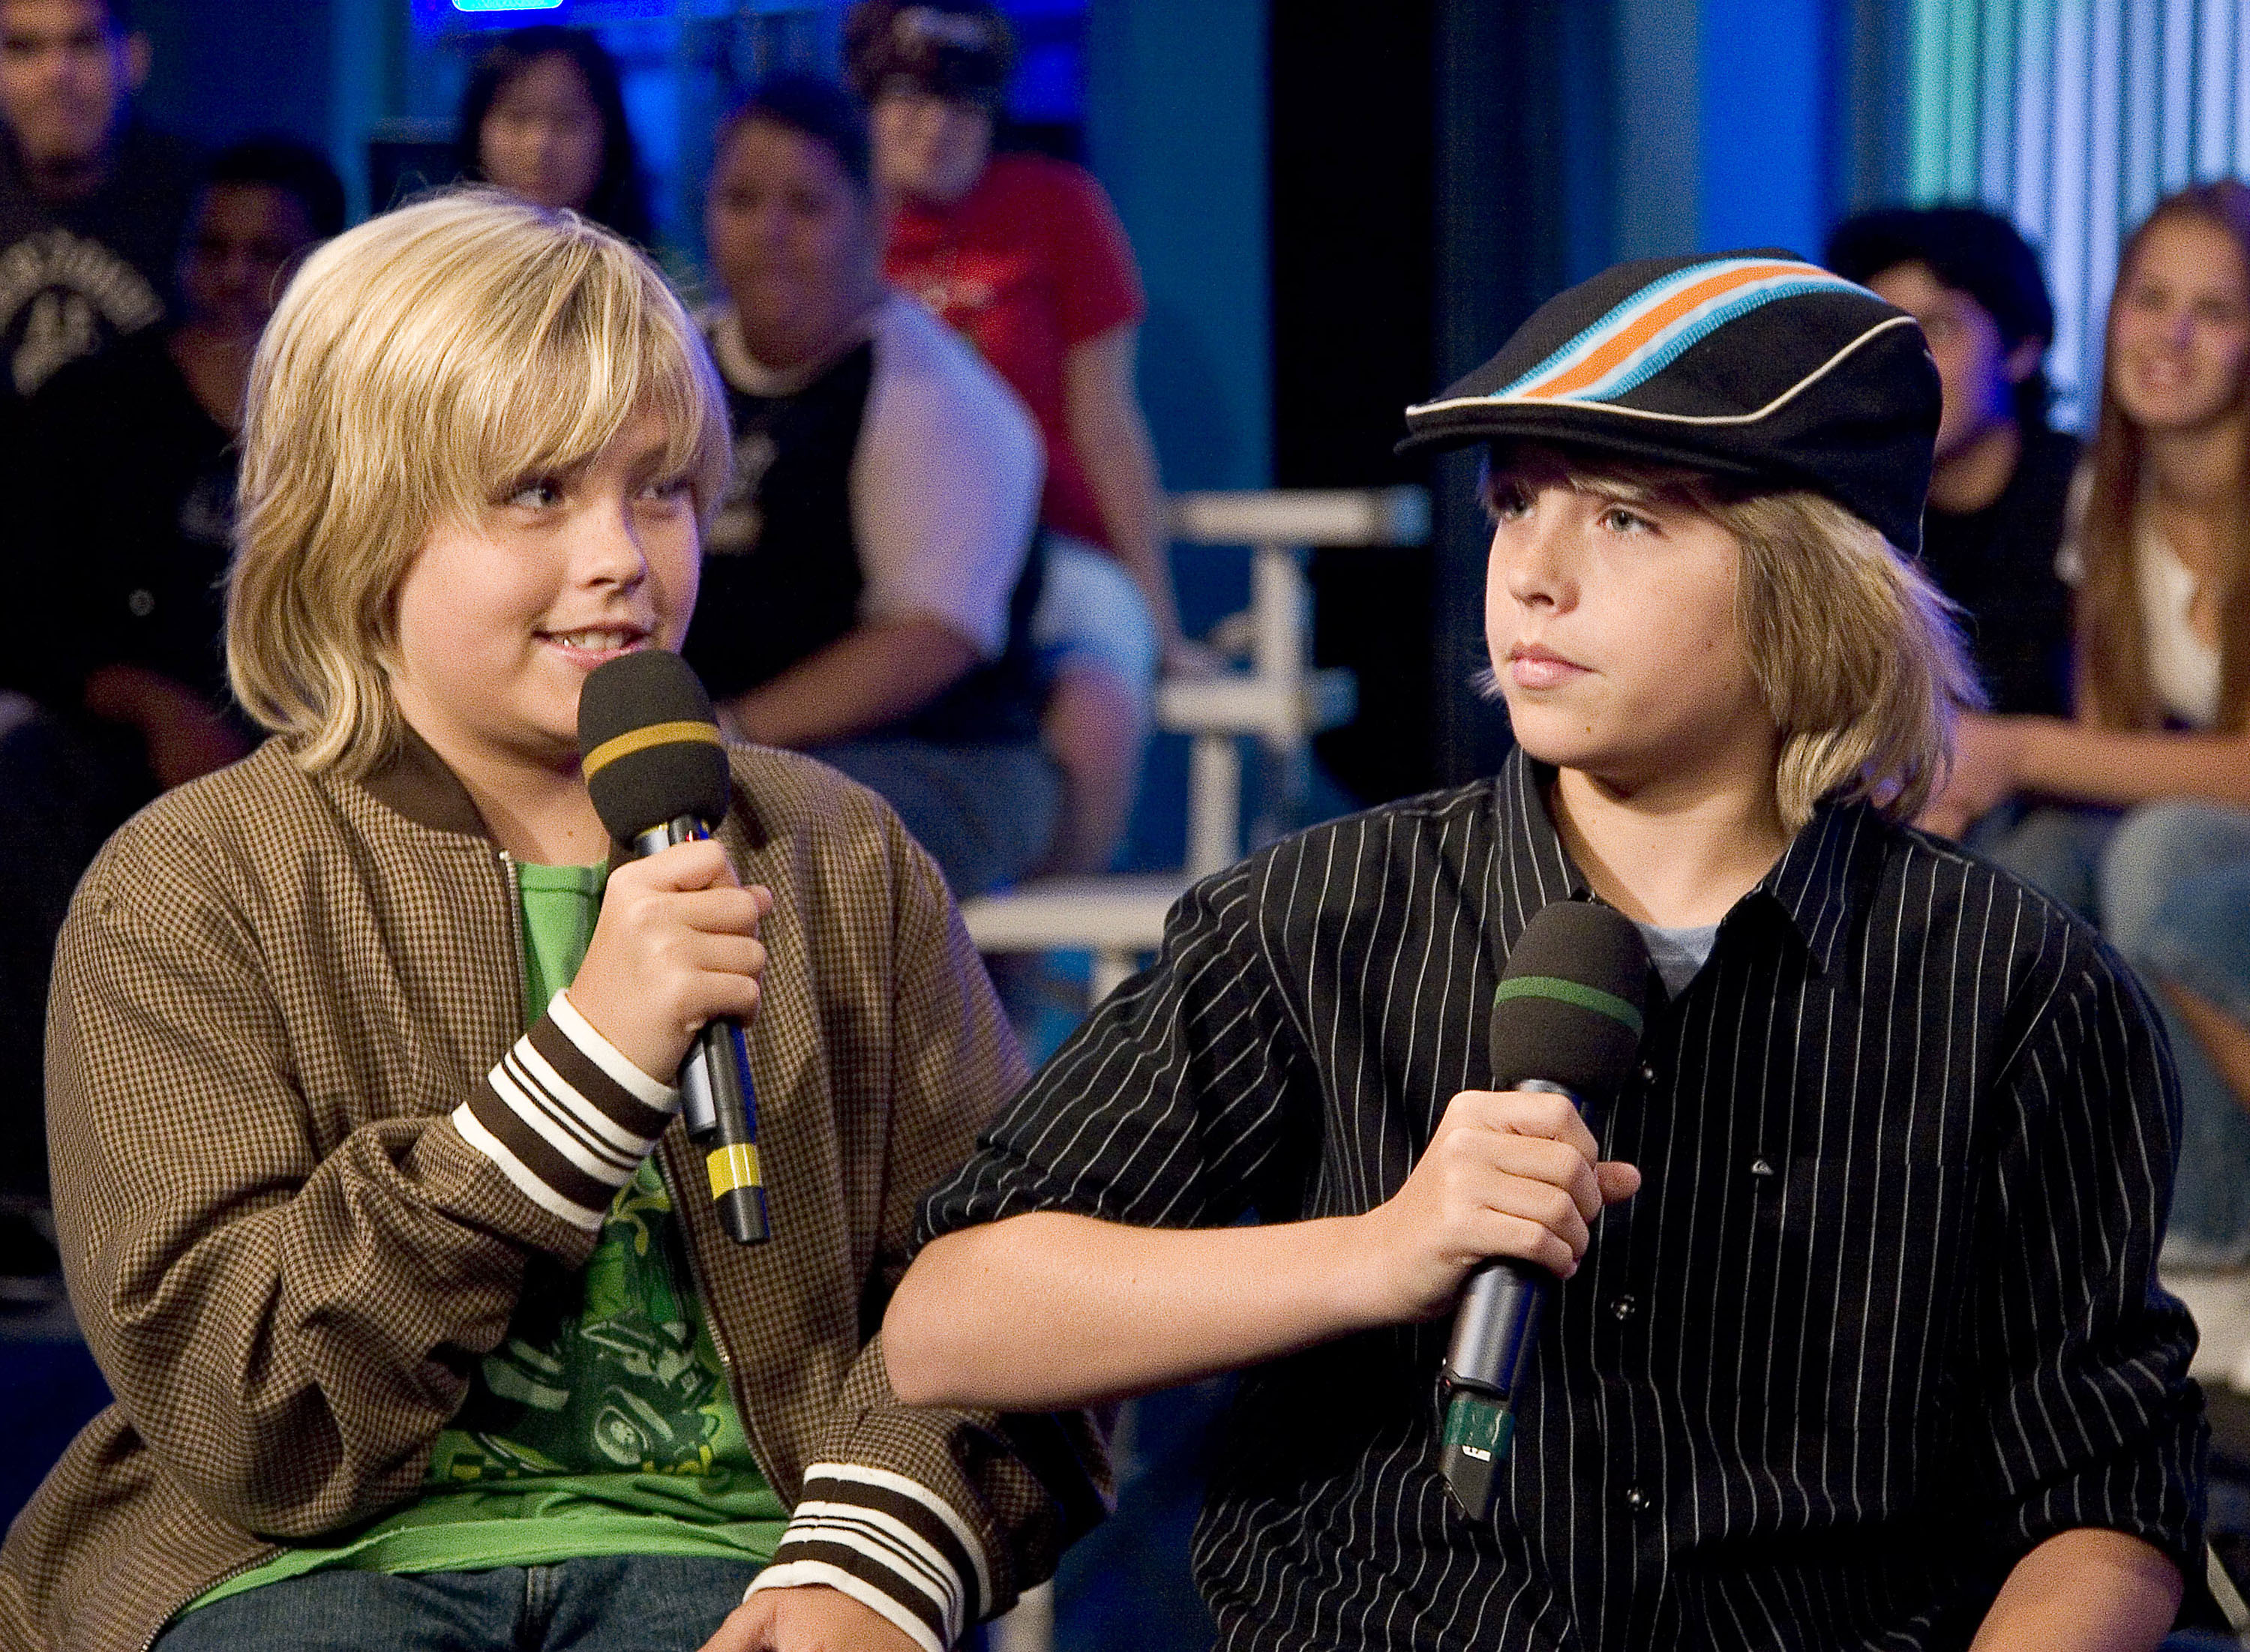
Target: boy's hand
{"x":676,"y":946}
{"x":1508,"y":1173}
{"x":810,"y":1619}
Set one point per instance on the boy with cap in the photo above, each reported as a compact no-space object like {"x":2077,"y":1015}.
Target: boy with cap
{"x":1867,"y":1351}
{"x":2000,"y":486}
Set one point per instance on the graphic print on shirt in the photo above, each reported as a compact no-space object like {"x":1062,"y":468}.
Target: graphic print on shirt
{"x":628,"y":1383}
{"x":738,"y":523}
{"x":63,"y":296}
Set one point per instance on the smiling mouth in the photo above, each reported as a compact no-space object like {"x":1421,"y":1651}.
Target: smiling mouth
{"x":598,"y":639}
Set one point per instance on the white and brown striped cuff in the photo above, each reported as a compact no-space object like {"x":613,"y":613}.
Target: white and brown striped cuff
{"x":894,"y":1547}
{"x":566,"y":1116}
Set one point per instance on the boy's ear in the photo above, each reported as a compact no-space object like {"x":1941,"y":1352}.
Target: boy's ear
{"x":140,"y":56}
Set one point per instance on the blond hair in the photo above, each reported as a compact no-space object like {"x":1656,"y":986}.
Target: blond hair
{"x":1853,"y":650}
{"x":418,"y":368}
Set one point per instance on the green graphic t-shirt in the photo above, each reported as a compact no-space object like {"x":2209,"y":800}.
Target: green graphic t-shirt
{"x":602,"y":1423}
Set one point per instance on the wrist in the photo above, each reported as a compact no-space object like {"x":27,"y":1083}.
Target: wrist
{"x":1361,"y":1292}
{"x":2035,"y":751}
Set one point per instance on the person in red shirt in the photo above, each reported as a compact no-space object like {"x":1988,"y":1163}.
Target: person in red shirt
{"x":1026,"y":255}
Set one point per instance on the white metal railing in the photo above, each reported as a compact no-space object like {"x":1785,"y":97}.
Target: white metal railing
{"x":1281,"y":701}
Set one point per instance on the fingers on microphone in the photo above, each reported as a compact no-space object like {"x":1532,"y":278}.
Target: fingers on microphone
{"x":701,"y":863}
{"x":1485,"y":1159}
{"x":1619,"y":1180}
{"x":1529,"y":1240}
{"x":1525,"y":1113}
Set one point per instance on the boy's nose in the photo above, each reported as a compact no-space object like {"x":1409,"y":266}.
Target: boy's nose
{"x":610,"y":550}
{"x":1530,"y":556}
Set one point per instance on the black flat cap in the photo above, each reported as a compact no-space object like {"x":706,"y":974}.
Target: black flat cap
{"x":1751,"y":364}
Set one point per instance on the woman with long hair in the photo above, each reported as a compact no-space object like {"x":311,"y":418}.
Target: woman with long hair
{"x":544,"y":117}
{"x":2137,"y":811}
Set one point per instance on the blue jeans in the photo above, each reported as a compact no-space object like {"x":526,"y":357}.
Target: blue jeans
{"x":611,"y":1603}
{"x":2169,"y":884}
{"x":987,"y":814}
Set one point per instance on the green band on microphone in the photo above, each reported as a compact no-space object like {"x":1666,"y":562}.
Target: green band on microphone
{"x":1570,"y":992}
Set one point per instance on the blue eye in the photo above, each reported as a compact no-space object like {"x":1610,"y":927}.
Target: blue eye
{"x":538,"y":495}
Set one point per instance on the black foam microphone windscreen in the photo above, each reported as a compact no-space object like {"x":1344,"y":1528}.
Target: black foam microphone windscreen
{"x":1566,"y":1018}
{"x":1570,"y":1004}
{"x":652,"y":756}
{"x":651,"y":746}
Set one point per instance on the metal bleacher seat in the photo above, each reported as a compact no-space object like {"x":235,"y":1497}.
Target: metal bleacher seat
{"x":1280,"y":701}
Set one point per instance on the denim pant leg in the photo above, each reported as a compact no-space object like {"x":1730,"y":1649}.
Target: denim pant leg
{"x":987,"y":814}
{"x":352,"y":1611}
{"x":2175,"y":890}
{"x":607,"y":1603}
{"x":2051,"y":847}
{"x":641,"y":1602}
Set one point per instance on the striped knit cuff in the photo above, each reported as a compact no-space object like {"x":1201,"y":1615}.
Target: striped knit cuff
{"x":566,"y":1116}
{"x":894,"y":1547}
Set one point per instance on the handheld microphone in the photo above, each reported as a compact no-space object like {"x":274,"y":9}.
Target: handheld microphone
{"x":652,"y":757}
{"x":1566,"y":1019}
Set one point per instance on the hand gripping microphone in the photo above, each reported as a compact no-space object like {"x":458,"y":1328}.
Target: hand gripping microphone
{"x":653,"y":760}
{"x":1566,"y":1018}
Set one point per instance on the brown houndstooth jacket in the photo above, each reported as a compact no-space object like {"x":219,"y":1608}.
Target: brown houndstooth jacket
{"x":273,"y":990}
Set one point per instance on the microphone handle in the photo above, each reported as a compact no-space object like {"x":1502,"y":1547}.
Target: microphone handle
{"x":718,"y":1100}
{"x":1495,"y":1328}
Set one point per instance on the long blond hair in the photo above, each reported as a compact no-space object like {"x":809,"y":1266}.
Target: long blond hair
{"x":1853,"y":650}
{"x":417,"y":368}
{"x":2113,"y":660}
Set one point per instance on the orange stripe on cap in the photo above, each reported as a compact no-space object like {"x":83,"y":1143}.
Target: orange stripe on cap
{"x":1647,"y":327}
{"x":639,"y":739}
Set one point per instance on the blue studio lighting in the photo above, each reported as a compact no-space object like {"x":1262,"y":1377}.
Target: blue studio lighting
{"x":506,"y":5}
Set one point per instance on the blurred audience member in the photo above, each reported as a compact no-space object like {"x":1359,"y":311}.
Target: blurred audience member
{"x":1026,"y":255}
{"x":91,"y":200}
{"x":545,"y":115}
{"x":1998,"y":493}
{"x":867,"y":585}
{"x":136,"y":449}
{"x":2145,"y":821}
{"x":127,"y":519}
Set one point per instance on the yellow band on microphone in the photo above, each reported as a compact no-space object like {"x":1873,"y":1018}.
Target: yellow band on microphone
{"x":639,"y":739}
{"x":732,"y":1167}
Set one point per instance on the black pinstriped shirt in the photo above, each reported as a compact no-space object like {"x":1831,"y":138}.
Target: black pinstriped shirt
{"x":1881,"y":1318}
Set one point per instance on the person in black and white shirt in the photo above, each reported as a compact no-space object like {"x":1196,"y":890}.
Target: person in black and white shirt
{"x":92,"y":201}
{"x":868,"y":583}
{"x":1867,"y":1349}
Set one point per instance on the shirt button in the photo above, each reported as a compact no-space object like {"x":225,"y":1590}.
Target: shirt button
{"x":1648,"y":1072}
{"x":1636,"y":1499}
{"x":1623,"y":1307}
{"x":1759,"y":1167}
{"x":142,"y":603}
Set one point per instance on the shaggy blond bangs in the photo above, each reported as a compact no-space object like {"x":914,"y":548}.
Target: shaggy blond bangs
{"x":418,"y":369}
{"x":1853,"y":650}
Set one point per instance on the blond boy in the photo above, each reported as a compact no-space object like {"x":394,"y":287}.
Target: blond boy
{"x":418,"y":1331}
{"x":1867,"y":1349}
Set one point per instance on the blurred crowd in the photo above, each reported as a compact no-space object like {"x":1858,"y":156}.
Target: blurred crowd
{"x":942,"y":563}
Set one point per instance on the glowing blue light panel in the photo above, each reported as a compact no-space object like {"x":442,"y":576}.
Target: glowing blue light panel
{"x":506,"y":5}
